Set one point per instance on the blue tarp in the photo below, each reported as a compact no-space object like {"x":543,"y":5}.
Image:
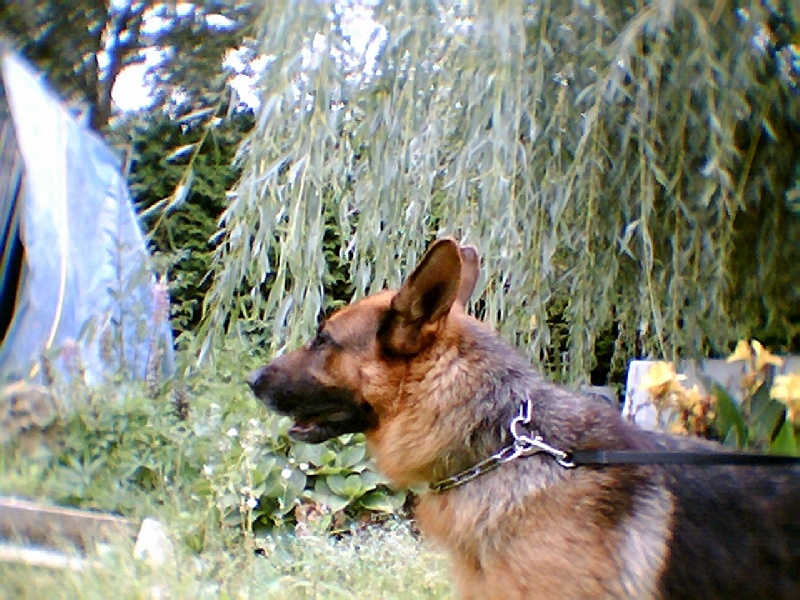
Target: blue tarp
{"x":82,"y":294}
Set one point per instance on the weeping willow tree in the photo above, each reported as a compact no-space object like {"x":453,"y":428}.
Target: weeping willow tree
{"x":627,"y":166}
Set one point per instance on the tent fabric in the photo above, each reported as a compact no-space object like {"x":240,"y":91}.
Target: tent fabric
{"x":11,"y":250}
{"x":84,"y":282}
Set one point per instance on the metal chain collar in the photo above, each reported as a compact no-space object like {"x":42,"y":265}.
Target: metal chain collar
{"x":524,"y":445}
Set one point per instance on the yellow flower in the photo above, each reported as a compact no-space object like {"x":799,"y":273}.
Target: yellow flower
{"x":695,"y":400}
{"x":750,"y":383}
{"x":786,"y":389}
{"x":764,"y":357}
{"x":742,"y":352}
{"x":678,"y":427}
{"x":660,"y":378}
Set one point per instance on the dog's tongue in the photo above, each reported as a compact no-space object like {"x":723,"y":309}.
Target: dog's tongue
{"x":301,"y":427}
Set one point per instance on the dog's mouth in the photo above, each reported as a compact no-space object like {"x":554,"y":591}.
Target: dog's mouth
{"x":319,"y":412}
{"x":318,"y":428}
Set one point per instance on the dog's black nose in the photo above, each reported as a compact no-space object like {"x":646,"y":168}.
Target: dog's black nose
{"x":253,"y":379}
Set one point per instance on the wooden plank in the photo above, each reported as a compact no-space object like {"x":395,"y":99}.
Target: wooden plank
{"x":51,"y":526}
{"x":41,"y":557}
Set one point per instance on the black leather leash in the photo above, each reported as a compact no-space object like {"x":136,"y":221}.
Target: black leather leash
{"x":586,"y":458}
{"x":606,"y":458}
{"x":527,"y":445}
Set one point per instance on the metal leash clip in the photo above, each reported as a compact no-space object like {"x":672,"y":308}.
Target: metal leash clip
{"x":525,"y":445}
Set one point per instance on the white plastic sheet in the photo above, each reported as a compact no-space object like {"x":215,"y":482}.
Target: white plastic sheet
{"x":85,"y":284}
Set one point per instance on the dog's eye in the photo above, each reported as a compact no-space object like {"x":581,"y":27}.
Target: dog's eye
{"x":321,"y":340}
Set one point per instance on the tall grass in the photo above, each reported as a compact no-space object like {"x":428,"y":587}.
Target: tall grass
{"x":239,"y":502}
{"x":385,"y":562}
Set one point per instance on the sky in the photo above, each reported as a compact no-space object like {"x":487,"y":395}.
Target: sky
{"x":131,"y":91}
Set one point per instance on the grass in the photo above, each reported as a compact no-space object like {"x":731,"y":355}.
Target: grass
{"x":121,"y":449}
{"x":386,"y":561}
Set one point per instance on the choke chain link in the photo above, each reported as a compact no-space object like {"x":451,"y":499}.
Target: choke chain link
{"x":524,"y":445}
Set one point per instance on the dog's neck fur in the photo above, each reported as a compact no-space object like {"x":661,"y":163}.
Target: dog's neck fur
{"x":503,"y":386}
{"x":467,"y":518}
{"x":491,"y":382}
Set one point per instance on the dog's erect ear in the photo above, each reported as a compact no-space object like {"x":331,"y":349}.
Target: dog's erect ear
{"x":470,"y":269}
{"x":431,"y":289}
{"x":425,"y":298}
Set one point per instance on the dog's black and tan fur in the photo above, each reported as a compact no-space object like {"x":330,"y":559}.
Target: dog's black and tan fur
{"x":434,"y":391}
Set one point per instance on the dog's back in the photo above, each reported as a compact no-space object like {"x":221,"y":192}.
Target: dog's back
{"x":736,"y":531}
{"x":536,"y":529}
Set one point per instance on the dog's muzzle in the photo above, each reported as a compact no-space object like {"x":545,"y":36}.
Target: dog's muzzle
{"x":255,"y":381}
{"x":319,"y":412}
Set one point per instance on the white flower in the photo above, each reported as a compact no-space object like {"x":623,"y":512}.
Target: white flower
{"x":252,"y":503}
{"x":208,"y":470}
{"x":303,"y":466}
{"x":286,"y":473}
{"x":233,"y":432}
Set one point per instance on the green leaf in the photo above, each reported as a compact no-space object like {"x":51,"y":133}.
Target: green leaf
{"x":378,"y":501}
{"x":337,"y":484}
{"x":382,"y":501}
{"x":332,"y":470}
{"x":354,"y":487}
{"x":324,"y":495}
{"x":309,"y":453}
{"x":730,"y":423}
{"x":370,"y":479}
{"x":785,"y":442}
{"x":297,"y":481}
{"x":766,"y":419}
{"x":352,"y":455}
{"x":761,"y":401}
{"x":731,"y":438}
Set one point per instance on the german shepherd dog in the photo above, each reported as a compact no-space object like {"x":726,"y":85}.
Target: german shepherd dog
{"x":434,"y":390}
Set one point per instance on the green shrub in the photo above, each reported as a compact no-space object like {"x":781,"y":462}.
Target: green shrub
{"x":206,"y":447}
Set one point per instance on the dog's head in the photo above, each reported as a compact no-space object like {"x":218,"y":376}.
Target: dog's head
{"x":348,"y":378}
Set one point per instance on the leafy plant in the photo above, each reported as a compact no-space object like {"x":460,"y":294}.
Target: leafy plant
{"x":680,"y":410}
{"x":765,"y":419}
{"x":181,"y":171}
{"x":261,"y":479}
{"x":226,"y":462}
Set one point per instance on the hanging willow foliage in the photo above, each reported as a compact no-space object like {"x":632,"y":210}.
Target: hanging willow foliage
{"x":606,"y":158}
